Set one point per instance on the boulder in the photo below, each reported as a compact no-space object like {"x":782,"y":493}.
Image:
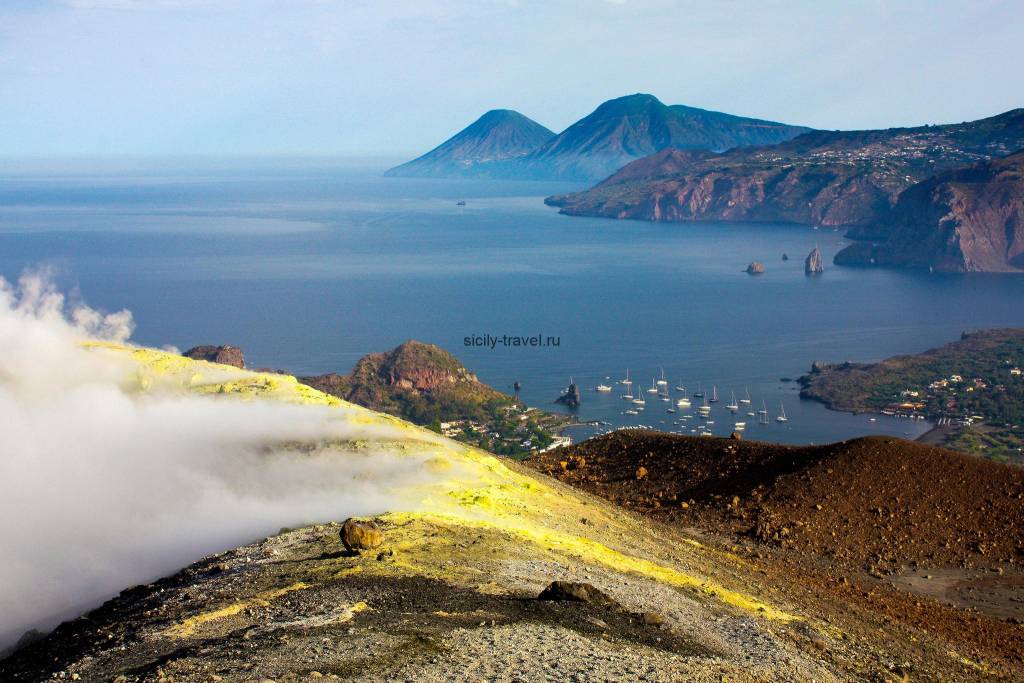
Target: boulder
{"x":736,"y":436}
{"x":755,"y":268}
{"x":573,"y":591}
{"x":358,"y":535}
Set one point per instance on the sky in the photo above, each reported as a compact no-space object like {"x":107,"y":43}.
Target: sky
{"x":395,"y":77}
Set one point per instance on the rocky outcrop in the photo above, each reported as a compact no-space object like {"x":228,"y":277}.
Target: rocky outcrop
{"x":755,"y":268}
{"x":571,"y":397}
{"x":849,"y":178}
{"x":968,"y":220}
{"x":417,"y":381}
{"x":813,"y":263}
{"x":224,"y":355}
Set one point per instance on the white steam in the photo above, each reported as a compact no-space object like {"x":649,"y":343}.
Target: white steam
{"x":101,"y":488}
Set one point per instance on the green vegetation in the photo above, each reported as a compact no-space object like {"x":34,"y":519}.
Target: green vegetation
{"x":428,"y":386}
{"x":974,"y":384}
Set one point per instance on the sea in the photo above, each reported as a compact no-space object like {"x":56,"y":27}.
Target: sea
{"x":308,"y":264}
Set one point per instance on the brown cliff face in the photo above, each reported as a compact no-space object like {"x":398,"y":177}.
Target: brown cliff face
{"x":849,"y":178}
{"x":970,"y":220}
{"x":225,"y":355}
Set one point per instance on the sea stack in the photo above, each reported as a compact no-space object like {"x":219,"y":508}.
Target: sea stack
{"x":571,"y":397}
{"x":813,"y":264}
{"x":755,"y":268}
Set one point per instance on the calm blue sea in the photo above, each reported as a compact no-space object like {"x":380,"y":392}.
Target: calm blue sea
{"x":309,"y":265}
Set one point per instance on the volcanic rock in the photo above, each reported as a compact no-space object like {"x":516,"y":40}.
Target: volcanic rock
{"x":573,"y":591}
{"x":571,"y":397}
{"x":224,"y":355}
{"x":357,"y":535}
{"x":755,"y":268}
{"x":813,"y":264}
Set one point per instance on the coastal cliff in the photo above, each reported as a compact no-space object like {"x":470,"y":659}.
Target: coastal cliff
{"x":968,"y":220}
{"x":833,"y":178}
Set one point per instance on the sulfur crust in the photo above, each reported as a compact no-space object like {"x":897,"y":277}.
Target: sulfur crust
{"x":477,"y":491}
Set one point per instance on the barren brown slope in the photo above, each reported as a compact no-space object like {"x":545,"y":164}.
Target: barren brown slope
{"x":878,"y":501}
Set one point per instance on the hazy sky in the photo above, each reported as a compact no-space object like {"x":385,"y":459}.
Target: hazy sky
{"x":363,"y":77}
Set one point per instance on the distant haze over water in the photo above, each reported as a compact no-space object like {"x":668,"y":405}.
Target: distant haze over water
{"x":309,"y":265}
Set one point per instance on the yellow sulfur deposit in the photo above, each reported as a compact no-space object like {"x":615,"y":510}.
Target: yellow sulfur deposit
{"x":468,"y":487}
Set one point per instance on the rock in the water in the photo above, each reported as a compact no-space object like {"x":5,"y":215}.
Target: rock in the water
{"x":225,"y":355}
{"x":571,"y":397}
{"x":573,"y":591}
{"x":813,"y":263}
{"x":357,"y":535}
{"x":755,"y":268}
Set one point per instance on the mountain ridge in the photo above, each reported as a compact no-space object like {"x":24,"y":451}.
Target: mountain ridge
{"x":621,"y":130}
{"x":498,"y":135}
{"x":833,"y":178}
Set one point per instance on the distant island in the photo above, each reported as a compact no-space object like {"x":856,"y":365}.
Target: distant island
{"x":506,"y":144}
{"x":973,"y":389}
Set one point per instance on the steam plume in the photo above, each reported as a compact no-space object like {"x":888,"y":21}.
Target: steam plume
{"x":102,"y":488}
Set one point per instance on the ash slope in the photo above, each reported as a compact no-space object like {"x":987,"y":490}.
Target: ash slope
{"x":450,"y":596}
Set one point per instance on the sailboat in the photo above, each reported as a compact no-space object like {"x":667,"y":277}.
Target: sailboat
{"x":654,"y":387}
{"x":732,"y":403}
{"x":762,"y":415}
{"x":639,"y":400}
{"x":714,"y":394}
{"x":681,"y":387}
{"x":699,"y":393}
{"x":626,"y":381}
{"x":683,"y":402}
{"x":628,"y":396}
{"x":705,"y":410}
{"x":663,"y":382}
{"x":746,"y":401}
{"x":782,"y":415}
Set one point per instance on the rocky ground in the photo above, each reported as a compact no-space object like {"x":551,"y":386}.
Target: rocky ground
{"x":916,"y":537}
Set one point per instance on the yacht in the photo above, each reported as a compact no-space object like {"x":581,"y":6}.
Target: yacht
{"x":782,"y":414}
{"x":714,"y":394}
{"x":762,"y":415}
{"x":739,"y":426}
{"x":680,"y":387}
{"x":639,"y":400}
{"x":732,"y":403}
{"x":746,"y":401}
{"x":628,"y":396}
{"x":699,"y":393}
{"x":663,"y":382}
{"x":683,"y":402}
{"x":654,"y":387}
{"x":630,"y":411}
{"x":604,"y":388}
{"x":670,"y":410}
{"x":626,"y":381}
